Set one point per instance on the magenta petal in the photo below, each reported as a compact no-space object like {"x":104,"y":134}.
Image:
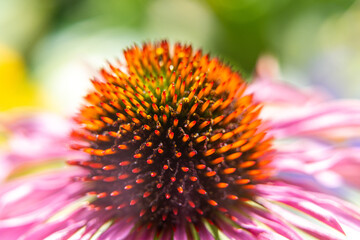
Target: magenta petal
{"x":330,"y":119}
{"x":204,"y":232}
{"x":271,"y":236}
{"x":234,"y":233}
{"x":95,"y":221}
{"x":119,"y":230}
{"x":279,"y":226}
{"x":31,"y":201}
{"x":28,"y":195}
{"x":329,"y":210}
{"x":285,"y":195}
{"x":180,"y":232}
{"x":49,"y":132}
{"x":62,"y":229}
{"x":303,"y":224}
{"x":54,"y":231}
{"x":329,"y":164}
{"x":315,"y":211}
{"x":249,"y":225}
{"x":264,"y":90}
{"x":345,"y":213}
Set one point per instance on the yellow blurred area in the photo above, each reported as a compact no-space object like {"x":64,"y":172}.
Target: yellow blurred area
{"x":15,"y":90}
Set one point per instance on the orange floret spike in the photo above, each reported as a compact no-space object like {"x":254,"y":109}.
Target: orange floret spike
{"x":174,"y":99}
{"x":182,"y":88}
{"x":210,"y":174}
{"x":218,"y":119}
{"x":200,"y":166}
{"x":209,"y":152}
{"x":222,"y":185}
{"x":204,"y":124}
{"x":179,"y":108}
{"x":122,"y":116}
{"x":205,"y":106}
{"x":217,"y":160}
{"x":229,"y":170}
{"x":212,"y":202}
{"x":216,"y":137}
{"x":192,"y":154}
{"x":193,"y":109}
{"x":123,"y":147}
{"x":191,"y":95}
{"x":176,"y":122}
{"x":233,"y":156}
{"x":191,"y":125}
{"x":202,"y":191}
{"x":224,"y":149}
{"x":216,"y":104}
{"x":180,"y":189}
{"x":200,"y":139}
{"x":155,"y":107}
{"x":242,"y":181}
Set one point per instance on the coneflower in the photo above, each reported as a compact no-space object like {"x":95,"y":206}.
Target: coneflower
{"x":174,"y":149}
{"x":173,"y":140}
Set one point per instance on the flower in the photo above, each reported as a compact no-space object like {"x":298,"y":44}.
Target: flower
{"x":175,"y":148}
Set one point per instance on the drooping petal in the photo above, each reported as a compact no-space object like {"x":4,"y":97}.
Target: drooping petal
{"x":278,"y":225}
{"x":303,"y":224}
{"x":330,"y":120}
{"x":28,"y":202}
{"x":286,"y":95}
{"x":180,"y":231}
{"x":329,"y":164}
{"x":329,"y":210}
{"x":57,"y":230}
{"x":298,"y":112}
{"x":34,"y":138}
{"x":204,"y":233}
{"x":119,"y":230}
{"x":234,"y":233}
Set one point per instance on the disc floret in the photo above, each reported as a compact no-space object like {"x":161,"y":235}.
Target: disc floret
{"x":172,"y":138}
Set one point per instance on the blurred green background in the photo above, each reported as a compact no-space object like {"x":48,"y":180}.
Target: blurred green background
{"x":49,"y":49}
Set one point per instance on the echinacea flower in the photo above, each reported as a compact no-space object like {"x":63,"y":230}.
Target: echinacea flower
{"x":174,"y":149}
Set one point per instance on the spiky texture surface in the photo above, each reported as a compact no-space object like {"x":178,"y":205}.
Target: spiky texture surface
{"x":172,"y":138}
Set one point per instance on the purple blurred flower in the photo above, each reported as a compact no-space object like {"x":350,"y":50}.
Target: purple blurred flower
{"x":320,"y":131}
{"x":307,"y":129}
{"x":33,"y":138}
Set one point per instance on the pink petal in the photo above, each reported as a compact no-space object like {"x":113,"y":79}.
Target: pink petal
{"x":204,"y":232}
{"x":119,"y":230}
{"x":28,"y":202}
{"x":56,"y":230}
{"x":279,"y":226}
{"x":285,"y":195}
{"x":180,"y":232}
{"x":307,"y":226}
{"x":35,"y":137}
{"x":332,"y":119}
{"x":264,"y":89}
{"x":327,"y":209}
{"x":234,"y":233}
